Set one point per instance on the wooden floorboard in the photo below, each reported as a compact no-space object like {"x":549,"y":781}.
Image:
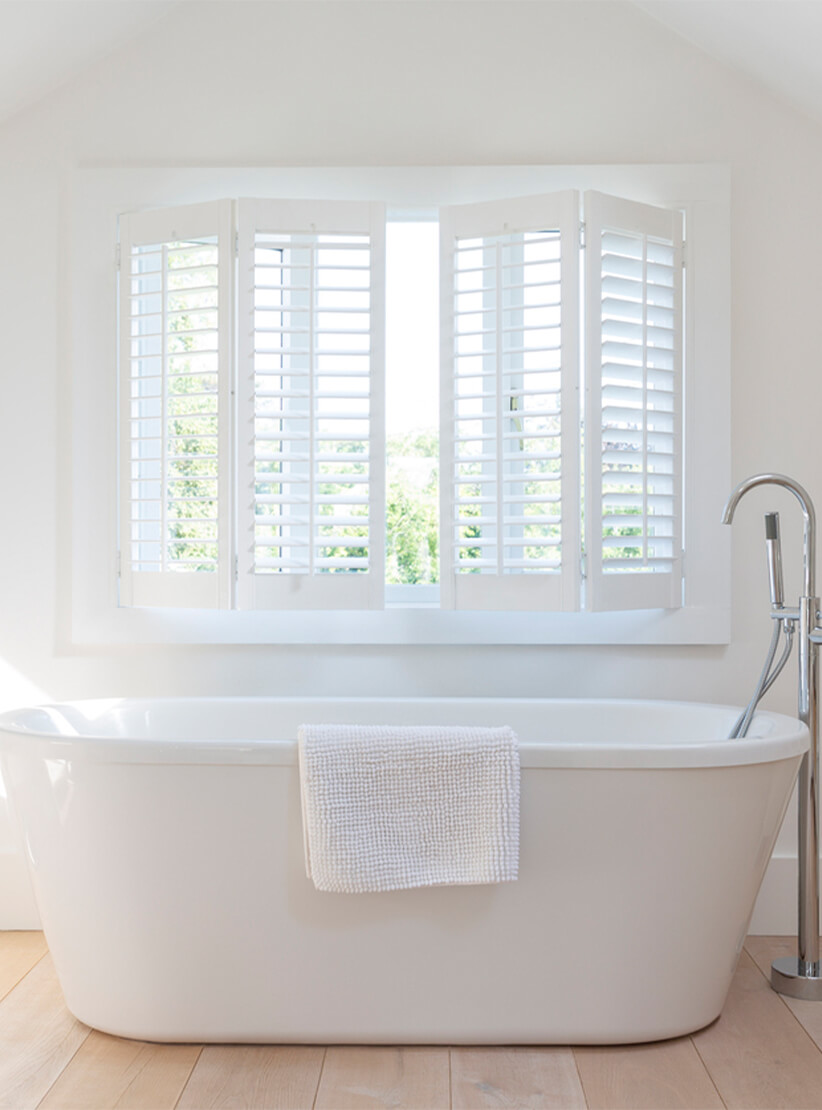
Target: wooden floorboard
{"x":255,"y":1077}
{"x":666,"y":1075}
{"x":764,"y":950}
{"x":521,"y":1078}
{"x":19,"y":952}
{"x":757,"y":1053}
{"x":38,"y":1038}
{"x":108,"y":1072}
{"x":763,"y":1053}
{"x":357,"y":1077}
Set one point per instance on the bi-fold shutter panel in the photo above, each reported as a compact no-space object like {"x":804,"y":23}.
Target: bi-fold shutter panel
{"x":302,"y":486}
{"x":633,"y":470}
{"x":311,"y":424}
{"x":509,"y":404}
{"x":175,"y":366}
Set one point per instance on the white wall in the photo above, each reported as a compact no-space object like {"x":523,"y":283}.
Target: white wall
{"x":385,"y":83}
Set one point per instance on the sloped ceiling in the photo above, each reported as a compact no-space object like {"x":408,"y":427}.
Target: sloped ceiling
{"x":44,"y":43}
{"x":777,"y":43}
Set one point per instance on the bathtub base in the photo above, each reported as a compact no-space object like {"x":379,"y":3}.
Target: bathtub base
{"x":548,"y":1039}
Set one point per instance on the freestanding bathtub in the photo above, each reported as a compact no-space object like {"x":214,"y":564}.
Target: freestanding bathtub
{"x":165,"y":845}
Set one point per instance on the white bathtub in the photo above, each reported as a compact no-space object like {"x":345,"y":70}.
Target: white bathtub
{"x":165,"y":845}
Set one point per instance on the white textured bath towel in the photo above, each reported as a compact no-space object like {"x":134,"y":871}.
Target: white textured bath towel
{"x":388,"y":807}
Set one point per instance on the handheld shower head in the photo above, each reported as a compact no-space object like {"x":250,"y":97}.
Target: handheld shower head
{"x":774,"y":549}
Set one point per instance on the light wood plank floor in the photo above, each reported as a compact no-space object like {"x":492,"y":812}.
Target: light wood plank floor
{"x":764,"y":1052}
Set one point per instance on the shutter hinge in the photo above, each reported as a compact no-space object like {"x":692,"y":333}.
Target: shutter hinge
{"x":117,"y":256}
{"x":236,"y":244}
{"x":583,"y":566}
{"x":118,"y":563}
{"x":236,"y":568}
{"x":684,"y":254}
{"x":582,"y":235}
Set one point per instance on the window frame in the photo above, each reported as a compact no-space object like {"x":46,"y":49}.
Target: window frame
{"x":91,"y":614}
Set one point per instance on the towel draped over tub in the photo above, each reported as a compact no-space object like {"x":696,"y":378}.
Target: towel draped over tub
{"x":388,"y":807}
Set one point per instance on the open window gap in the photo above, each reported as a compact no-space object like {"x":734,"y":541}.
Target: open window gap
{"x":412,"y":409}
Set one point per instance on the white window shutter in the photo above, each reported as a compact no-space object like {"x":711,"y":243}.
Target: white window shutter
{"x":510,"y":404}
{"x":175,"y":418}
{"x":633,"y":404}
{"x":311,"y":511}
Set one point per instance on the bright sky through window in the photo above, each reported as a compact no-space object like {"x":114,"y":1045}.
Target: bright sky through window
{"x":412,"y":327}
{"x":412,"y":403}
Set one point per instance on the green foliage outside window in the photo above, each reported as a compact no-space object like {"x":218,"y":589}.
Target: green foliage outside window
{"x":412,"y":510}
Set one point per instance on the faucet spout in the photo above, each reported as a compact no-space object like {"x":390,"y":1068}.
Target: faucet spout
{"x":808,"y":514}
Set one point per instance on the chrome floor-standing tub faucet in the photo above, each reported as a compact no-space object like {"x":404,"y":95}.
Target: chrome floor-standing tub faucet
{"x":800,"y":976}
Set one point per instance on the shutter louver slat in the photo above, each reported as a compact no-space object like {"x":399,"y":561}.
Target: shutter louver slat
{"x":288,"y":325}
{"x":509,"y":375}
{"x":633,"y":415}
{"x":311,"y":356}
{"x":481,"y":453}
{"x":174,"y":397}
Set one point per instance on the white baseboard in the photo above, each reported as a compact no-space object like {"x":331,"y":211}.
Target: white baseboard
{"x":18,"y":909}
{"x":775,"y":910}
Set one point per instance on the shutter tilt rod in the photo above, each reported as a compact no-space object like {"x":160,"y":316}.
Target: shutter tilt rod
{"x":799,"y":976}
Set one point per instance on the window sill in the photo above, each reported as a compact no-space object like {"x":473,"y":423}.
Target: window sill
{"x":421,"y":626}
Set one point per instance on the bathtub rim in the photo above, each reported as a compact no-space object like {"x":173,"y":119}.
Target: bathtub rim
{"x":784,"y":736}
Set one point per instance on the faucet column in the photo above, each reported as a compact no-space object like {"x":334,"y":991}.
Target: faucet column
{"x":808,"y":824}
{"x":801,"y":976}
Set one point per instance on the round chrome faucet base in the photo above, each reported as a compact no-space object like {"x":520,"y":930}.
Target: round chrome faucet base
{"x":787,"y":978}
